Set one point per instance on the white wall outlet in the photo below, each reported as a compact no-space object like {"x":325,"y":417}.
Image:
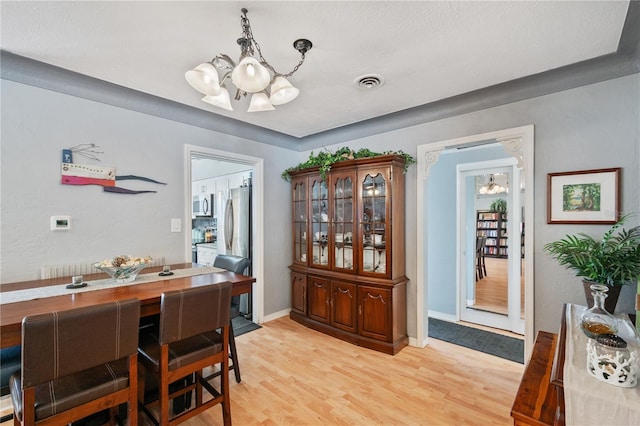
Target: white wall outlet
{"x":176,"y":225}
{"x":60,"y":223}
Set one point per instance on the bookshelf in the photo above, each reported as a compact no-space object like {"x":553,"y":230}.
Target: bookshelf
{"x":492,"y":226}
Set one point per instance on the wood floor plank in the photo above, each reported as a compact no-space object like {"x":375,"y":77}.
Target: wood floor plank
{"x":296,"y":376}
{"x":491,"y":291}
{"x":292,"y":375}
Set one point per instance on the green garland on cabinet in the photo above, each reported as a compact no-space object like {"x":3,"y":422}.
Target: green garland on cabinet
{"x":325,"y":159}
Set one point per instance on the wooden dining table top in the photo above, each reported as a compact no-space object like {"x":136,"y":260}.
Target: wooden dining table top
{"x":149,"y":293}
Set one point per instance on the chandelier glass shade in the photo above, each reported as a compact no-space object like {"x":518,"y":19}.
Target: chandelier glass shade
{"x":491,"y":187}
{"x":220,"y":100}
{"x":282,"y":91}
{"x":204,"y":78}
{"x":250,"y":75}
{"x":260,"y":102}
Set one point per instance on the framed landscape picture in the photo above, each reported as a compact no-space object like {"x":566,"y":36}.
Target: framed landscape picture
{"x":585,"y":196}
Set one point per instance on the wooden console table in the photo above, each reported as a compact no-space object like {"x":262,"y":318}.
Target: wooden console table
{"x":539,"y":401}
{"x":541,"y":396}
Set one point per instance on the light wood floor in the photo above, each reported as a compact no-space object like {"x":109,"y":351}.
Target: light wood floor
{"x":292,"y":375}
{"x":491,"y":291}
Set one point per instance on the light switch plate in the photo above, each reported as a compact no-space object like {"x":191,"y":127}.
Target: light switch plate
{"x":60,"y":223}
{"x":176,"y":225}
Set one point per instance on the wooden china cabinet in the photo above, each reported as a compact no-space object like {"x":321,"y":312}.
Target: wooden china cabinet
{"x":347,"y":277}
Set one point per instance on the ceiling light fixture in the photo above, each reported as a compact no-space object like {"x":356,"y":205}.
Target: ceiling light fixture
{"x":250,"y":75}
{"x":492,"y":187}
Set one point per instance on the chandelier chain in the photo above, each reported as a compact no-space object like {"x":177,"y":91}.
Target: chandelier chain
{"x":248,"y":35}
{"x":251,"y":42}
{"x":295,"y":68}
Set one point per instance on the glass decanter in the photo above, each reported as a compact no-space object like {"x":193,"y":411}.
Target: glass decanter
{"x":596,"y":320}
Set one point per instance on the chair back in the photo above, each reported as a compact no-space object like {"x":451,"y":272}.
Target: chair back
{"x":480,"y":245}
{"x":189,"y":312}
{"x":57,"y":344}
{"x":236,"y":264}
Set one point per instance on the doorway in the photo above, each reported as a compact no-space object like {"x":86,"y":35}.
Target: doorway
{"x":489,"y":254}
{"x":230,"y":171}
{"x":515,"y":142}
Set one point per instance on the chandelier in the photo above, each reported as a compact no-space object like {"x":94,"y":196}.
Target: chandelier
{"x":492,"y":187}
{"x":250,"y":75}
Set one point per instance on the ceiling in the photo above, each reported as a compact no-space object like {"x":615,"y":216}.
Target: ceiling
{"x":427,"y":52}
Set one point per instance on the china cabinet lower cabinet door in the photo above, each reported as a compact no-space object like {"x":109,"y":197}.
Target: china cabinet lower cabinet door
{"x":343,"y":306}
{"x":319,"y":295}
{"x":299,"y":293}
{"x":374,"y":313}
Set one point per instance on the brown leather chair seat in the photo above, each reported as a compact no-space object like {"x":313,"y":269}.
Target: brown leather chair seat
{"x":181,"y":353}
{"x":73,"y":390}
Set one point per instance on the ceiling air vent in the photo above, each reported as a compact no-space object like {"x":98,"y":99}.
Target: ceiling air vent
{"x":369,"y":81}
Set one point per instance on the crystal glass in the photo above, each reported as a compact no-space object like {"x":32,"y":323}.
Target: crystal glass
{"x":596,"y":320}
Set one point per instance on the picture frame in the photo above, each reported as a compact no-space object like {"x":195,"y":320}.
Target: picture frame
{"x":584,"y":197}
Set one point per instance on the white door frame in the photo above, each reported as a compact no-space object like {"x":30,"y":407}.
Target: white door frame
{"x":257,"y":216}
{"x":512,"y":321}
{"x":518,"y":142}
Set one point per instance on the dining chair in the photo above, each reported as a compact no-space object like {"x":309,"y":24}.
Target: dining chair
{"x":238,"y":265}
{"x":481,"y":267}
{"x":76,"y":363}
{"x":193,"y":334}
{"x":10,"y":361}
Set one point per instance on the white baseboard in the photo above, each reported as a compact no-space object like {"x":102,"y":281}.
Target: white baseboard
{"x":276,"y":315}
{"x":442,"y":316}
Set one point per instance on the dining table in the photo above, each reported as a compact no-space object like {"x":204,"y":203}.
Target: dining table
{"x":149,"y":293}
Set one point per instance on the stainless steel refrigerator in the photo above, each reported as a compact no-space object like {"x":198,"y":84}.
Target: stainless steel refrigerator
{"x":234,"y":228}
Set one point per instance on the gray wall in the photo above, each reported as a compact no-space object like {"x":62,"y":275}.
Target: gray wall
{"x":37,"y":124}
{"x":590,"y":127}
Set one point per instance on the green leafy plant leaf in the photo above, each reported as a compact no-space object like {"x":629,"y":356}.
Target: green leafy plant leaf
{"x":613,"y":259}
{"x":325,"y":159}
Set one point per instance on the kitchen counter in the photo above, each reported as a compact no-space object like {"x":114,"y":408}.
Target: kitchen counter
{"x":206,"y":253}
{"x":213,"y":245}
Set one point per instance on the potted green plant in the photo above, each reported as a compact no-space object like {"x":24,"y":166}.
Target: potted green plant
{"x":612,"y":260}
{"x":499,"y":205}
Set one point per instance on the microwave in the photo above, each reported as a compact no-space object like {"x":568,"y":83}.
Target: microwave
{"x":203,"y":205}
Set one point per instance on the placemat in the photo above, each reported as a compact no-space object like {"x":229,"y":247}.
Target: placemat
{"x":589,"y":401}
{"x":61,"y":290}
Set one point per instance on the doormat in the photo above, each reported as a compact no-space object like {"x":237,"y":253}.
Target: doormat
{"x":241,"y":325}
{"x":479,"y":340}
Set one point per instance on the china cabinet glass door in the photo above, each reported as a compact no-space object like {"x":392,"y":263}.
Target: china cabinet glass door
{"x":300,"y":220}
{"x":373,"y":223}
{"x":343,"y":214}
{"x":319,"y":222}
